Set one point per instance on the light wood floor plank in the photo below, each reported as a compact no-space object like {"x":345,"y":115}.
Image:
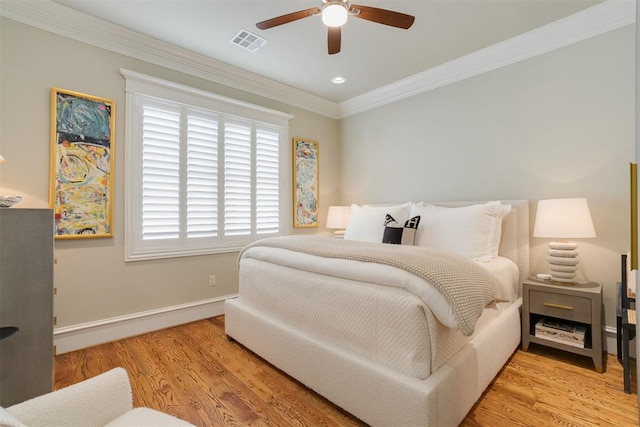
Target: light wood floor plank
{"x":195,"y":373}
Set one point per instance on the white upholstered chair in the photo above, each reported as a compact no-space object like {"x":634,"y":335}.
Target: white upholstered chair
{"x":104,"y":400}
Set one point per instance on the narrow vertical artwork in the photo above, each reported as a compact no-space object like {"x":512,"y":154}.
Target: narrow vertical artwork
{"x":306,"y":182}
{"x":82,"y":143}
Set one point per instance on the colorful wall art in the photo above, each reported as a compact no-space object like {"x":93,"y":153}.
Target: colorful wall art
{"x":82,"y":144}
{"x":306,"y":182}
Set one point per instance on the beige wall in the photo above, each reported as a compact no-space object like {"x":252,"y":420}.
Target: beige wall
{"x":92,"y":279}
{"x":556,"y":125}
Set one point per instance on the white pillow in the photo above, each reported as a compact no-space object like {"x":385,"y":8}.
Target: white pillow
{"x":472,"y":231}
{"x":500,"y":212}
{"x":366,"y":223}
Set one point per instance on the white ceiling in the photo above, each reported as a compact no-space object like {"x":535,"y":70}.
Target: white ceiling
{"x":372,"y":55}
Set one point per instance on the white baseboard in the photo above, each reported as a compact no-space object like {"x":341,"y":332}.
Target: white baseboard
{"x":88,"y":334}
{"x":70,"y":338}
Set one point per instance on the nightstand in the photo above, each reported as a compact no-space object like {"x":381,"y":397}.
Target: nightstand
{"x":577,"y":305}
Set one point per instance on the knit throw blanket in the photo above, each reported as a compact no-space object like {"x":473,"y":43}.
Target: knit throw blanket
{"x":467,"y":287}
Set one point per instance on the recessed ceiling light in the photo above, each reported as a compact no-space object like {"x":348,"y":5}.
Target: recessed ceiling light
{"x":247,"y":40}
{"x":338,"y":80}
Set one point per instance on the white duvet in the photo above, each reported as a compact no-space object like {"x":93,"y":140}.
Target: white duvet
{"x":502,"y":268}
{"x":364,"y":308}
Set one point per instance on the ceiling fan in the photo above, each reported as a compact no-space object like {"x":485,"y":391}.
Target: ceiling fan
{"x":334,"y":15}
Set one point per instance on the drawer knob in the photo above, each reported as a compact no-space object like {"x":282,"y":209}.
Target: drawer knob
{"x":563,"y":307}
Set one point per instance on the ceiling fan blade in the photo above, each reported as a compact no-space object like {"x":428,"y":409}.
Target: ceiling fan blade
{"x":382,"y":16}
{"x":333,"y":38}
{"x":289,"y":17}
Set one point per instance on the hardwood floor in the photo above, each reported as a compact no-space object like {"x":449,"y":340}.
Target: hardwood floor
{"x":545,"y":387}
{"x":193,"y":372}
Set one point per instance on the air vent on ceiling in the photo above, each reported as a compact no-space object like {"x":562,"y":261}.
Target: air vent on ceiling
{"x":247,"y":40}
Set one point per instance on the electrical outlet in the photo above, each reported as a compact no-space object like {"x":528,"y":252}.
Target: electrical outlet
{"x":212,"y":280}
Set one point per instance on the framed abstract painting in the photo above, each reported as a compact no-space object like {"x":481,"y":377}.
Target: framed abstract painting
{"x":306,"y":183}
{"x":82,"y":169}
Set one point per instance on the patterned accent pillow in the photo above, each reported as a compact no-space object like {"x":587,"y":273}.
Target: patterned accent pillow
{"x":396,"y":234}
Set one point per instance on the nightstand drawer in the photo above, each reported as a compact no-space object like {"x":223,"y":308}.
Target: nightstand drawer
{"x":567,"y":307}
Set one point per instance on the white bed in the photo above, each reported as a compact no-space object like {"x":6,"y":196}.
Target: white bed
{"x":349,"y":331}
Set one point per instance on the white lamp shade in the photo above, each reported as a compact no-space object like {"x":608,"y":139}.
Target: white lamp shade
{"x":334,"y":14}
{"x":338,"y":217}
{"x":2,"y":160}
{"x":563,"y":219}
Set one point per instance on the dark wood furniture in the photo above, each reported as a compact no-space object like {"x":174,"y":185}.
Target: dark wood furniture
{"x":626,"y":326}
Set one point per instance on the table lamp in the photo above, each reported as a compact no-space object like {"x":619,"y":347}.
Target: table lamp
{"x":338,"y":218}
{"x":563,"y":219}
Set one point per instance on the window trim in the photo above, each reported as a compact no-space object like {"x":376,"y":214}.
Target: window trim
{"x":141,"y":84}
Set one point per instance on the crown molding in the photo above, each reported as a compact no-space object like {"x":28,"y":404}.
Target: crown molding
{"x":596,"y":20}
{"x":45,"y":15}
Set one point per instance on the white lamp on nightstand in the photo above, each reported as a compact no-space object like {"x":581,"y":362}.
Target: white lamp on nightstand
{"x":338,"y":218}
{"x":563,"y":219}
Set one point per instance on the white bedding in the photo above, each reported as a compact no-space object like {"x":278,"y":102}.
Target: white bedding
{"x":363,"y":307}
{"x":502,"y":268}
{"x":343,"y":356}
{"x":506,"y":271}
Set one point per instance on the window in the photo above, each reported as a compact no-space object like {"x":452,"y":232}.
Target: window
{"x":203,"y":172}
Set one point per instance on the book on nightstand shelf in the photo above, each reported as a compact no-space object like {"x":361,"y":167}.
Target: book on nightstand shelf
{"x":565,"y":333}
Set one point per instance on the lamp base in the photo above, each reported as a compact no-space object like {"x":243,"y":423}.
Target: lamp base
{"x":563,"y":261}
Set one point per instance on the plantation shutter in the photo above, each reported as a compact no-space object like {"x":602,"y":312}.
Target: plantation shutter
{"x":203,"y":172}
{"x":160,"y":171}
{"x":237,"y":179}
{"x":202,"y":175}
{"x":267,"y":180}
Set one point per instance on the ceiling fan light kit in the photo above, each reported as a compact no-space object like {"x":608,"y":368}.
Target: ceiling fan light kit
{"x":335,"y":14}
